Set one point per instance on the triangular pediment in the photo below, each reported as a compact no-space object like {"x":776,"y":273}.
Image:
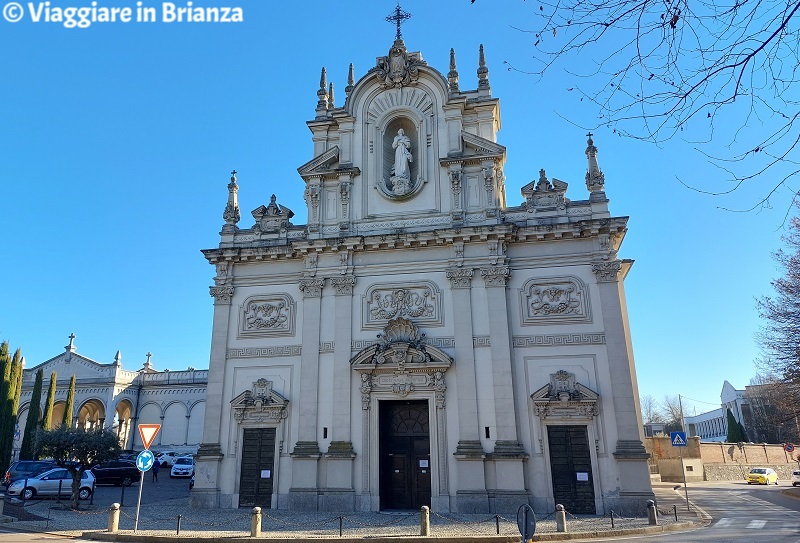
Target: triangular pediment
{"x":476,"y":145}
{"x":261,"y":402}
{"x":564,"y":398}
{"x":66,"y":364}
{"x":321,"y":163}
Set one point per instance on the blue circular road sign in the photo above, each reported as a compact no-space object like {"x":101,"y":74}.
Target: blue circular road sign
{"x":145,"y":460}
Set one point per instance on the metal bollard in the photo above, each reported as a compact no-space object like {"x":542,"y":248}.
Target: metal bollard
{"x":255,"y":523}
{"x":58,"y":497}
{"x":652,"y":513}
{"x":113,"y":518}
{"x":612,"y":519}
{"x":675,"y":510}
{"x":561,"y":518}
{"x":497,"y":523}
{"x":425,"y":521}
{"x":122,"y":497}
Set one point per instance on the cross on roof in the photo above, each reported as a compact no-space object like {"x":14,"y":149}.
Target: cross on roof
{"x":233,"y":172}
{"x":397,"y":17}
{"x":71,"y":339}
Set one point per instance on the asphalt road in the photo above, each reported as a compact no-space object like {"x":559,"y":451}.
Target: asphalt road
{"x":152,"y":492}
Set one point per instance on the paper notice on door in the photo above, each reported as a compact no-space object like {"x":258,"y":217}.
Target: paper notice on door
{"x":266,"y":474}
{"x":582,"y":476}
{"x":423,"y":463}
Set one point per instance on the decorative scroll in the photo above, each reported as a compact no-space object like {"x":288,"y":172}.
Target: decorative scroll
{"x":260,"y":404}
{"x":564,"y":398}
{"x":550,"y":300}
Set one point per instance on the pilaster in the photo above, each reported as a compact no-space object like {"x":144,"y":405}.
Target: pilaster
{"x":630,"y":454}
{"x":206,"y":490}
{"x":508,"y":454}
{"x":471,"y":495}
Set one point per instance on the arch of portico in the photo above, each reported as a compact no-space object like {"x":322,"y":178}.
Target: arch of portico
{"x":91,"y":414}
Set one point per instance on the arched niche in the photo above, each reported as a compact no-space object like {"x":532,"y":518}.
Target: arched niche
{"x":396,"y":134}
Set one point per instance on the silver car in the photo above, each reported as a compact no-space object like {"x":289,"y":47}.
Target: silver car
{"x":48,"y":483}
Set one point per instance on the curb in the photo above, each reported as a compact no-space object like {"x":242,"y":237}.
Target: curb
{"x":562,"y":536}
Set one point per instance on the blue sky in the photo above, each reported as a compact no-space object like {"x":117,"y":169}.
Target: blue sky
{"x":117,"y":141}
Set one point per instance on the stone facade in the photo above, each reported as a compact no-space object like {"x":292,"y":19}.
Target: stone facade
{"x":108,"y":396}
{"x":414,"y":288}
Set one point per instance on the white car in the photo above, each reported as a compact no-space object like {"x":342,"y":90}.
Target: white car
{"x":183,"y":467}
{"x":49,"y":483}
{"x":167,"y":458}
{"x":796,"y":477}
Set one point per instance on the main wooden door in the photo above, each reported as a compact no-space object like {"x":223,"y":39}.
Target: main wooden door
{"x":405,"y":471}
{"x":571,"y":465}
{"x":258,"y":467}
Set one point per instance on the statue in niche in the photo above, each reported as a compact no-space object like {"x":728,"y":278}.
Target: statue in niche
{"x":401,"y":171}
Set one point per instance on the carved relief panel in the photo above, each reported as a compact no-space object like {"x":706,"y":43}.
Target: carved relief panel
{"x":421,"y":302}
{"x":550,"y":300}
{"x":267,"y":315}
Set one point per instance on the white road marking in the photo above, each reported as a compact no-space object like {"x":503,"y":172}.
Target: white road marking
{"x":757,"y":524}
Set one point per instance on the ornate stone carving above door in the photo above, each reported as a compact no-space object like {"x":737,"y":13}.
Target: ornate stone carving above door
{"x":419,"y":301}
{"x":564,"y":398}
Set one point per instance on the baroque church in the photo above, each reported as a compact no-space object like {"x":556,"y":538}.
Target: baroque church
{"x":420,"y":341}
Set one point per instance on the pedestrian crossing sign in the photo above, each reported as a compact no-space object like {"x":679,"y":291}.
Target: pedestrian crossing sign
{"x":678,"y":439}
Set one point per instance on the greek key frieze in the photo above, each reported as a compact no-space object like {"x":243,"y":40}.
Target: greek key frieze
{"x":264,"y":352}
{"x":441,"y":342}
{"x":558,"y":340}
{"x":481,"y":341}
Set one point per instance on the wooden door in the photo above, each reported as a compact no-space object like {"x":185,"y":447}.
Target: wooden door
{"x":258,"y":467}
{"x":405,"y":471}
{"x":571,"y":467}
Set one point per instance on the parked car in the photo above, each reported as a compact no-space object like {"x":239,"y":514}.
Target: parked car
{"x":762,"y":476}
{"x":116,"y":472}
{"x":183,"y":467}
{"x":47,"y":484}
{"x":796,"y":477}
{"x":129,"y":456}
{"x":22,"y":469}
{"x":167,"y":458}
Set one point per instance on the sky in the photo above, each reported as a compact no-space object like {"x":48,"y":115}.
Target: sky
{"x":117,"y":142}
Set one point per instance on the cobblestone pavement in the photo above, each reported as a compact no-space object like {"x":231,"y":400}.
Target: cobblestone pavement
{"x":162,"y":519}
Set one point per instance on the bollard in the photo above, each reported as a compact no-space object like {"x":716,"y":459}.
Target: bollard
{"x":652,"y":513}
{"x":113,"y":518}
{"x":58,"y":497}
{"x":497,"y":524}
{"x":561,"y":518}
{"x":91,"y":496}
{"x":675,"y":510}
{"x":178,"y":530}
{"x":2,"y":503}
{"x":341,"y":519}
{"x":25,"y":486}
{"x":612,"y":519}
{"x":255,"y":523}
{"x":122,"y":498}
{"x":425,"y":521}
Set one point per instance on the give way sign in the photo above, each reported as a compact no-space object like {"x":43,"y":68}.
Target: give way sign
{"x":148,"y":433}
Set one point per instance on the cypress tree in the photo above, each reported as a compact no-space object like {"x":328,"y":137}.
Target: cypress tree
{"x":734,"y":429}
{"x":47,"y":418}
{"x":67,"y":421}
{"x":26,"y":451}
{"x":6,"y":403}
{"x":16,"y":378}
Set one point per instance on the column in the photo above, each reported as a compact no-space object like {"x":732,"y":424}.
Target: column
{"x":206,"y":489}
{"x":471,"y":495}
{"x":304,"y":491}
{"x":630,"y":454}
{"x":509,"y":453}
{"x":339,"y":492}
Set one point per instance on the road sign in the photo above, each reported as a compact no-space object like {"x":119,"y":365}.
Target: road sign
{"x":789,"y":447}
{"x":678,"y":439}
{"x":145,"y":460}
{"x":148,"y":433}
{"x":526,"y":522}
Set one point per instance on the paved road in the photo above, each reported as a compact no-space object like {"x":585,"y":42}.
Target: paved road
{"x":164,"y":489}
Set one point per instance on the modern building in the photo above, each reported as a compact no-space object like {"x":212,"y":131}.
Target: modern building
{"x":420,"y":341}
{"x":109,"y":396}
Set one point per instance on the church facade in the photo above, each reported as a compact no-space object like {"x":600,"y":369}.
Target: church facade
{"x":419,"y":341}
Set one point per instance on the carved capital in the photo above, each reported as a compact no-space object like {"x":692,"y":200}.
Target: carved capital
{"x":460,"y":277}
{"x":606,"y":271}
{"x":496,"y":276}
{"x":312,"y":288}
{"x":343,"y":285}
{"x":222,"y":295}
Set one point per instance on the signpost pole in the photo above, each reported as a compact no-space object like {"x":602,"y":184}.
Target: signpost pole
{"x":685,"y":488}
{"x":138,"y":503}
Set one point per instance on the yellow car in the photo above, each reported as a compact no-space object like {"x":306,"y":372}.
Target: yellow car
{"x":762,"y":476}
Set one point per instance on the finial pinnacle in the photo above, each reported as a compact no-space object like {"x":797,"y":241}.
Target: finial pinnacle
{"x":452,"y":75}
{"x":322,"y":93}
{"x":397,"y":17}
{"x":483,"y":71}
{"x":595,"y":179}
{"x":331,"y":101}
{"x":351,"y":80}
